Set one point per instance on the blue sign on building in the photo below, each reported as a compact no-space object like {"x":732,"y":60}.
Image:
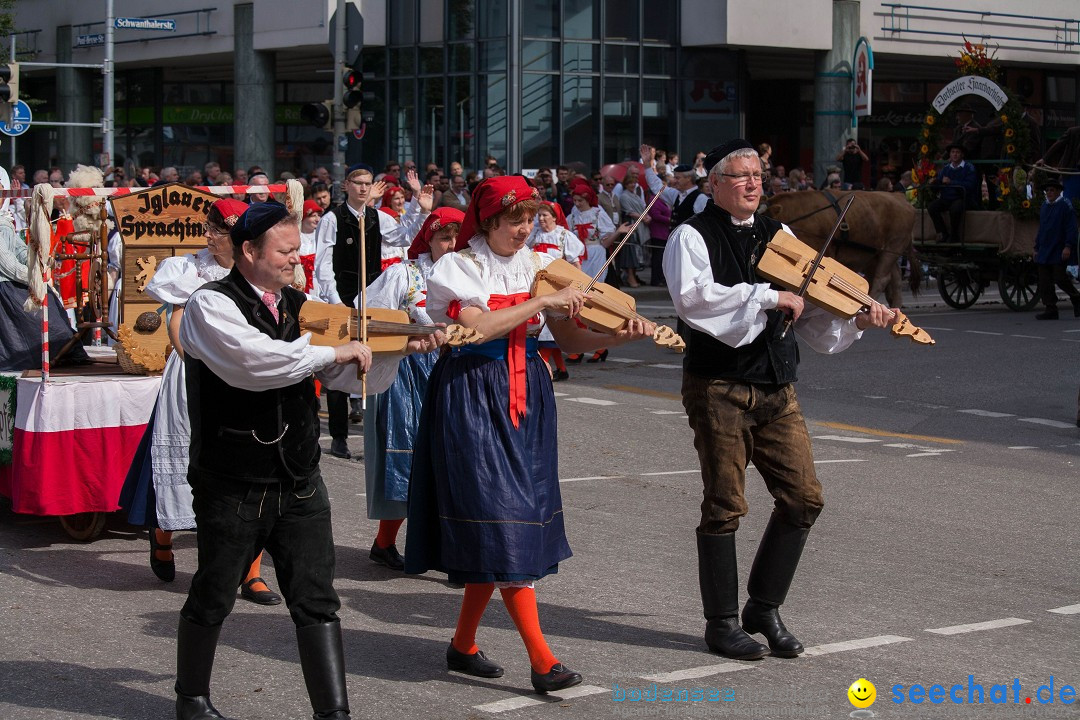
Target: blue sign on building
{"x":144,"y":24}
{"x":20,"y":120}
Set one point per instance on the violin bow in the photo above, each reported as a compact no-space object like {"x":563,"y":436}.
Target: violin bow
{"x":817,"y":262}
{"x":611,"y":257}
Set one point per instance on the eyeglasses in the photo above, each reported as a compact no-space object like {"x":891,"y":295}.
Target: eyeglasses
{"x":743,"y":179}
{"x":361,"y":183}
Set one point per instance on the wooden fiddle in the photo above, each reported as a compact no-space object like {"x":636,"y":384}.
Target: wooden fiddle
{"x":833,"y":286}
{"x":388,"y":331}
{"x":606,"y":309}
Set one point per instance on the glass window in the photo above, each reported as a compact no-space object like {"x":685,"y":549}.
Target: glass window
{"x":461,"y":57}
{"x":539,"y":109}
{"x":658,"y":112}
{"x":621,"y":108}
{"x":491,"y":126}
{"x":621,"y":19}
{"x":539,"y":55}
{"x":403,"y":22}
{"x":658,"y":61}
{"x":581,"y":19}
{"x":493,"y":19}
{"x":402,"y":119}
{"x":463,"y":120}
{"x":374,"y":61}
{"x":660,"y":22}
{"x":432,"y":122}
{"x":493,"y":55}
{"x":581,"y":58}
{"x":402,"y":61}
{"x":1061,"y":89}
{"x":372,"y":149}
{"x":581,"y":120}
{"x":461,"y":23}
{"x":540,"y":18}
{"x":431,"y":61}
{"x":621,"y":59}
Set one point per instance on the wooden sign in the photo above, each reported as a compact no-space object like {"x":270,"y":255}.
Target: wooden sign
{"x":172,"y":215}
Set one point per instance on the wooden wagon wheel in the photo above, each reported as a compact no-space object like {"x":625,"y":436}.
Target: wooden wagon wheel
{"x":1018,"y":284}
{"x":959,"y":286}
{"x":83,"y":526}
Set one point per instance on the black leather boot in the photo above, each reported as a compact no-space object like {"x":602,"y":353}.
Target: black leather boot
{"x":770,"y":577}
{"x":195,"y":649}
{"x":719,"y":578}
{"x":322,"y":658}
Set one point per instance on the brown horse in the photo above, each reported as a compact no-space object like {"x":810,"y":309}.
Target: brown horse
{"x":877,"y":231}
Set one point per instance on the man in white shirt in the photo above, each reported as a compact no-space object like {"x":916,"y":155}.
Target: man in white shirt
{"x":254,"y":461}
{"x":685,"y":200}
{"x":738,"y":394}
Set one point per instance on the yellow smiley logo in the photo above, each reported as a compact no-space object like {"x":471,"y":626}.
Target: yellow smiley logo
{"x":862,"y":693}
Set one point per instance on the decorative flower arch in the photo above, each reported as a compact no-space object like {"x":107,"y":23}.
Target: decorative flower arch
{"x":1012,"y":178}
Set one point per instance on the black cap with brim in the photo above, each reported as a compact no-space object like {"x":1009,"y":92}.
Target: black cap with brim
{"x":256,"y":220}
{"x":720,"y":152}
{"x":1052,"y":183}
{"x":950,"y":146}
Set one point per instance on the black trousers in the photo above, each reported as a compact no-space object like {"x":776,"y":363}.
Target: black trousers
{"x":237,"y":520}
{"x":955,"y":208}
{"x":337,"y":406}
{"x":1051,"y":275}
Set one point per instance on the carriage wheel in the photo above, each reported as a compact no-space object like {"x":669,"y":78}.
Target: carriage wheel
{"x":1019,"y":284}
{"x":959,"y":287}
{"x":83,"y":526}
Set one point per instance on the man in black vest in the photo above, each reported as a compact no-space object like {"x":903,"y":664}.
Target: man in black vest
{"x":738,"y":393}
{"x":254,"y":461}
{"x":338,"y":275}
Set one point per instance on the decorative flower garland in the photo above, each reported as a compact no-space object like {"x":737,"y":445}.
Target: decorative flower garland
{"x":1016,"y":141}
{"x":9,"y":383}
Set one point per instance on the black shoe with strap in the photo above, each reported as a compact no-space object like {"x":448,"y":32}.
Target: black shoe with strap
{"x":259,"y":597}
{"x":476,"y":664}
{"x":164,"y":569}
{"x":559,"y":677}
{"x":388,"y":556}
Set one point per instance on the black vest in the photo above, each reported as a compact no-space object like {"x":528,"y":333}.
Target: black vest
{"x":233,"y":431}
{"x":733,"y":255}
{"x":684,"y":210}
{"x":346,"y":257}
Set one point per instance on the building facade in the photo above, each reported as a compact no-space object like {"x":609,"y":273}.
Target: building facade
{"x":528,"y":82}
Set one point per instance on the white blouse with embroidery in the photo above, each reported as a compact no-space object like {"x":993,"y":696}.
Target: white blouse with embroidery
{"x":566,"y":244}
{"x":403,"y":287}
{"x":177,"y":277}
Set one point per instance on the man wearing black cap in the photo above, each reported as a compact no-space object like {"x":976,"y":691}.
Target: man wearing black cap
{"x":958,"y":184}
{"x":738,"y":394}
{"x":1055,"y":246}
{"x":254,"y":460}
{"x":685,"y":200}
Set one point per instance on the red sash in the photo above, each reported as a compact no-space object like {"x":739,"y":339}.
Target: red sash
{"x":308,"y":263}
{"x":515,"y":355}
{"x":544,"y":247}
{"x":387,"y":262}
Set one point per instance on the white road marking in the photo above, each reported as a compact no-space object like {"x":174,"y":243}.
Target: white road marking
{"x":854,"y":645}
{"x":1069,"y":340}
{"x":876,"y":397}
{"x":975,"y":627}
{"x":937,"y":329}
{"x":623,"y":360}
{"x":1070,"y":331}
{"x":591,"y":401}
{"x":666,"y":412}
{"x":524,"y":701}
{"x":924,"y":454}
{"x":667,"y":366}
{"x":846,"y":438}
{"x":697,"y":672}
{"x":1048,"y":423}
{"x":559,"y":394}
{"x":1067,"y":610}
{"x":1030,"y":337}
{"x":987,"y":413}
{"x":846,"y":460}
{"x":983,"y":332}
{"x":1023,"y":447}
{"x":592,"y":477}
{"x":670,"y":472}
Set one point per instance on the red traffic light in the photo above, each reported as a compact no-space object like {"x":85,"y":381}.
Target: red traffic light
{"x":351,"y":79}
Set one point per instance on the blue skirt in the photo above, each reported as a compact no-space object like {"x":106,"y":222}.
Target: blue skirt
{"x":484,"y":497}
{"x":391,"y":419}
{"x":137,"y":494}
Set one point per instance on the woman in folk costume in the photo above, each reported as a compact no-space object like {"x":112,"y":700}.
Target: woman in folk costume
{"x":411,"y":214}
{"x":484,"y":499}
{"x":392,"y":416}
{"x":156,"y":491}
{"x":312,"y":213}
{"x":593,"y":227}
{"x":552,"y":236}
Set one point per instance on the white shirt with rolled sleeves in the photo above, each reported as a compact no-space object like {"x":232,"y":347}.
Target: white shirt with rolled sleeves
{"x":215,"y":331}
{"x":735,"y":315}
{"x":670,"y":195}
{"x":325,"y":288}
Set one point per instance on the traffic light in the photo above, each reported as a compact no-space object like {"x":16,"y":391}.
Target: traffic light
{"x":9,"y":89}
{"x":354,"y":98}
{"x":319,"y":115}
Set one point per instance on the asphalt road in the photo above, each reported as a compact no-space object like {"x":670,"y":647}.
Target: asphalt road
{"x":946,"y":555}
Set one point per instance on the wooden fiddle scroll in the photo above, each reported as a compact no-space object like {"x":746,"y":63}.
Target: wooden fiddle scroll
{"x":388,"y":331}
{"x":833,"y":286}
{"x":606,"y":309}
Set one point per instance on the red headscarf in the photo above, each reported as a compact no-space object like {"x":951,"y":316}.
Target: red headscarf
{"x":231,"y":210}
{"x":310,"y":206}
{"x":387,"y":197}
{"x":490,"y":198}
{"x":560,"y":216}
{"x":438,"y":219}
{"x":583,"y":188}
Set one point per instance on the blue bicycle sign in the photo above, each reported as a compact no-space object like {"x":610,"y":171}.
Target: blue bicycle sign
{"x":20,"y":120}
